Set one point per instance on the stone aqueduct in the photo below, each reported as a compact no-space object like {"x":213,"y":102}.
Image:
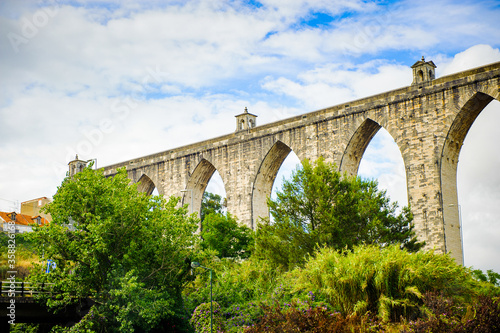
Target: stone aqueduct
{"x":428,"y":120}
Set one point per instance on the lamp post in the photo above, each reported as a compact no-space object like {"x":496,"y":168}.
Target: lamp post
{"x":195,"y":264}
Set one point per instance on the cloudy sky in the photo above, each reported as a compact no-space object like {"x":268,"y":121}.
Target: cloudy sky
{"x":116,"y":80}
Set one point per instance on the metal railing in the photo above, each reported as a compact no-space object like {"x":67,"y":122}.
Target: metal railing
{"x":24,"y":289}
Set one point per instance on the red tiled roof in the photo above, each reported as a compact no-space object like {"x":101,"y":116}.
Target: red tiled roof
{"x":22,"y":219}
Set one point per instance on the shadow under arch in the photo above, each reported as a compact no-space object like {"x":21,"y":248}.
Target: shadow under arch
{"x":357,"y":145}
{"x":145,"y":185}
{"x":197,"y":183}
{"x":448,"y":170}
{"x":264,"y":180}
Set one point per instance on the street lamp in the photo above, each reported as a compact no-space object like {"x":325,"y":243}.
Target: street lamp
{"x":195,"y":264}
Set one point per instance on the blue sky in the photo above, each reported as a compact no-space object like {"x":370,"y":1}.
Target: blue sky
{"x":115,"y":80}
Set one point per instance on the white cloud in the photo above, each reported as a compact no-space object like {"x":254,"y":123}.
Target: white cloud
{"x":334,"y":84}
{"x":475,"y":56}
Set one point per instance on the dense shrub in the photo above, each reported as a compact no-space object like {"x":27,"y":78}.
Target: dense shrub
{"x":201,"y":318}
{"x":238,"y":287}
{"x":393,"y":286}
{"x":445,"y":316}
{"x":312,"y":320}
{"x":388,"y":281}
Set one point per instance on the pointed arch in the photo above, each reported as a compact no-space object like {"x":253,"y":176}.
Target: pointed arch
{"x":448,"y":170}
{"x":145,"y":185}
{"x":357,"y":146}
{"x":197,"y":183}
{"x":264,"y":180}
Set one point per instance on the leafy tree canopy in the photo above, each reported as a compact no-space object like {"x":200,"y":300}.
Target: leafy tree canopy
{"x":129,"y":252}
{"x":223,"y":234}
{"x":319,"y":207}
{"x":211,"y":203}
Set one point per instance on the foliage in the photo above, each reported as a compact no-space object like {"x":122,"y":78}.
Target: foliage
{"x":369,"y":286}
{"x":313,"y":319}
{"x":222,"y":234}
{"x":23,"y":328}
{"x":446,"y":317}
{"x":490,"y":276}
{"x":238,"y":287}
{"x":321,"y":207}
{"x":201,"y":318}
{"x":128,"y":251}
{"x":24,"y":255}
{"x":387,"y":281}
{"x":211,"y":204}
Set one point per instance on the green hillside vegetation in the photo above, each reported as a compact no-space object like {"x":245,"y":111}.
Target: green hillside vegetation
{"x":335,"y":257}
{"x":24,"y":257}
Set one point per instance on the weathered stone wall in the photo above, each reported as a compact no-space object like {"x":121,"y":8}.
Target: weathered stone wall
{"x":428,"y":121}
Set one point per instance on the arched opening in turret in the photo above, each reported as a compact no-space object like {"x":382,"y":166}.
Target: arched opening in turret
{"x":278,"y":163}
{"x":146,"y":185}
{"x":192,"y":195}
{"x":470,"y":193}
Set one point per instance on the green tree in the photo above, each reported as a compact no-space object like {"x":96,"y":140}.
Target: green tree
{"x":223,"y":234}
{"x":211,"y":203}
{"x":129,"y":252}
{"x":319,"y":207}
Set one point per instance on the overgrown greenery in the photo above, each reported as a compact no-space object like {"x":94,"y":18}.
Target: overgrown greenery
{"x":320,"y":207}
{"x":369,"y":289}
{"x":388,"y":282}
{"x":211,"y":203}
{"x":25,"y":255}
{"x":222,"y":234}
{"x":129,"y":252}
{"x":203,"y":314}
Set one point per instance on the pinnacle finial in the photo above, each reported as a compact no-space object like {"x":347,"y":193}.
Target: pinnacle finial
{"x":246,"y":110}
{"x":423,"y":59}
{"x":76,"y":157}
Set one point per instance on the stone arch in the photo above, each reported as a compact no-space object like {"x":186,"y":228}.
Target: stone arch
{"x":145,"y":185}
{"x":357,"y":146}
{"x":264,"y":180}
{"x":448,"y":170}
{"x":197,"y":183}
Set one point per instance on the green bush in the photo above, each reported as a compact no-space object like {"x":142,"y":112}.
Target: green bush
{"x":483,"y":315}
{"x":388,"y":281}
{"x":313,"y":319}
{"x":201,"y":318}
{"x":238,"y":287}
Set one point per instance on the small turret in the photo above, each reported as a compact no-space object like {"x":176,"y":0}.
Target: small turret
{"x":245,"y":121}
{"x":76,"y":166}
{"x":423,"y":71}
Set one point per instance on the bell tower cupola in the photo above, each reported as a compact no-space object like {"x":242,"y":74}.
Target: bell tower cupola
{"x":423,"y":71}
{"x":76,"y":166}
{"x":245,"y":121}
